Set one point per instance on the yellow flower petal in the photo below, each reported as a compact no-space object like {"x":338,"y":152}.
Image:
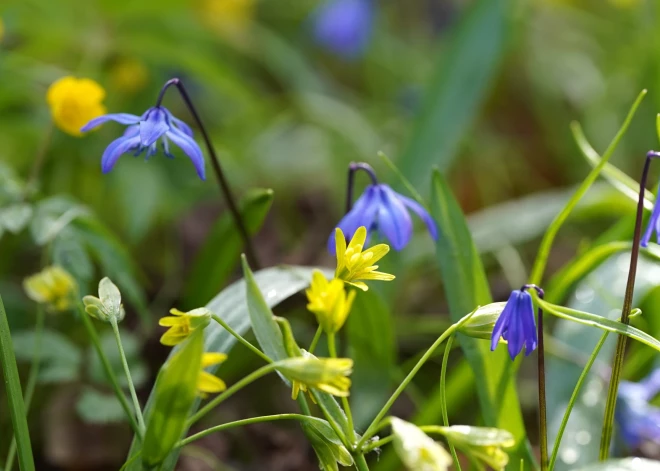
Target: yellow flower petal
{"x":169,"y":321}
{"x":212,"y":358}
{"x":174,"y":336}
{"x":207,"y":383}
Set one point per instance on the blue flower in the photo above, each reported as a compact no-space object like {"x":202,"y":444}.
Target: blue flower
{"x":638,"y":420}
{"x":344,"y":26}
{"x":654,"y":224}
{"x":143,"y":133}
{"x":385,"y":211}
{"x":516,"y":324}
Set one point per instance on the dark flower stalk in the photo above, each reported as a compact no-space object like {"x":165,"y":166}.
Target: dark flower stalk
{"x":217,"y":169}
{"x":615,"y":378}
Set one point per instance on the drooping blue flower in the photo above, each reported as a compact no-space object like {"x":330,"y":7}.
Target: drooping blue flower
{"x":344,"y":26}
{"x":516,"y":324}
{"x":654,"y":225}
{"x":639,"y":421}
{"x":383,"y":210}
{"x":144,"y":132}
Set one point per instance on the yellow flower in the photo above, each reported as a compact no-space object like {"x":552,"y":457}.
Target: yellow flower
{"x":52,"y":286}
{"x":329,"y":302}
{"x":230,"y":18}
{"x":74,"y":102}
{"x":418,"y":451}
{"x":182,"y":324}
{"x":129,"y":75}
{"x":325,"y":374}
{"x":354,"y":264}
{"x":206,"y":382}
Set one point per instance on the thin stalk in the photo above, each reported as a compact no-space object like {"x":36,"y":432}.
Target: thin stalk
{"x":332,"y":348}
{"x":14,"y":394}
{"x":315,"y":340}
{"x":39,"y":159}
{"x":361,"y":462}
{"x":335,"y":426}
{"x":129,"y":378}
{"x":32,"y":379}
{"x":615,"y":378}
{"x":241,"y":339}
{"x":217,"y":168}
{"x":374,"y":424}
{"x":573,"y":399}
{"x":543,"y":414}
{"x":378,"y":443}
{"x":264,"y":370}
{"x":352,"y":168}
{"x":94,"y":336}
{"x":546,"y":244}
{"x":443,"y":401}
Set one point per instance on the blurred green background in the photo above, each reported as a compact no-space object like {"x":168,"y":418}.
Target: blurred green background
{"x":485,"y":90}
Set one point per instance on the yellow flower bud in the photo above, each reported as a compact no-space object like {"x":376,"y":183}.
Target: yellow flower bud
{"x":182,"y":324}
{"x":52,"y":286}
{"x":418,"y":451}
{"x":329,"y":302}
{"x":74,"y":102}
{"x":329,"y":375}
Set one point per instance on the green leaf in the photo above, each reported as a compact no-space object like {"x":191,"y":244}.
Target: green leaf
{"x":463,"y":77}
{"x":53,"y":215}
{"x":175,"y":393}
{"x":466,"y":287}
{"x":625,"y":464}
{"x":56,"y":373}
{"x":60,"y":349}
{"x":15,"y":217}
{"x":95,"y":407}
{"x":371,"y":345}
{"x":68,"y":251}
{"x":219,"y":255}
{"x":279,"y":283}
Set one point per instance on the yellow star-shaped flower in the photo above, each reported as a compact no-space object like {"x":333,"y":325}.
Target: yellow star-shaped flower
{"x":206,"y":382}
{"x":329,"y":302}
{"x":182,"y":324}
{"x":354,"y":263}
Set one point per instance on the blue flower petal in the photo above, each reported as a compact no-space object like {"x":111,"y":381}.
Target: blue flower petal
{"x":153,"y":126}
{"x":118,"y":147}
{"x":363,"y":213}
{"x":515,"y":334}
{"x":344,"y":26}
{"x":122,"y":118}
{"x":503,"y":320}
{"x":190,"y":148}
{"x":179,"y":124}
{"x":422,"y":213}
{"x":393,"y":219}
{"x":654,"y":224}
{"x":528,"y":322}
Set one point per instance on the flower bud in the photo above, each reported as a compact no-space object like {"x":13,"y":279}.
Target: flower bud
{"x":418,"y":451}
{"x":484,"y":443}
{"x":482,"y":322}
{"x":325,"y":374}
{"x":327,"y":446}
{"x":52,"y":286}
{"x":108,"y":305}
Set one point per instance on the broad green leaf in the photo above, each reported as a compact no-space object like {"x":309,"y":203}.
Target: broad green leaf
{"x":68,"y":251}
{"x":625,"y":464}
{"x":175,"y":393}
{"x":278,"y":284}
{"x":371,"y":345}
{"x":219,"y":255}
{"x":15,"y":217}
{"x":53,"y":215}
{"x":95,"y":407}
{"x":599,"y":289}
{"x":59,"y":349}
{"x":466,"y":287}
{"x":463,"y":77}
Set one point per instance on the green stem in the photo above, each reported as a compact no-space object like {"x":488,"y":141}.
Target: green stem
{"x":129,"y":378}
{"x":335,"y":426}
{"x":332,"y":348}
{"x":374,"y":424}
{"x":443,"y":402}
{"x":378,"y":443}
{"x":573,"y":399}
{"x":94,"y":336}
{"x":549,"y":237}
{"x":14,"y":394}
{"x":32,"y":379}
{"x":361,"y":462}
{"x":264,"y":370}
{"x":238,"y":423}
{"x":241,"y":339}
{"x":315,"y":340}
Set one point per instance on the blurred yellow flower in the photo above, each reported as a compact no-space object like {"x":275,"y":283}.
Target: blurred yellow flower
{"x":129,"y":75}
{"x":418,"y":451}
{"x":329,"y":302}
{"x":229,"y":18}
{"x":354,"y":263}
{"x":74,"y":102}
{"x":52,"y":286}
{"x":206,"y":382}
{"x":182,"y":324}
{"x":325,"y":374}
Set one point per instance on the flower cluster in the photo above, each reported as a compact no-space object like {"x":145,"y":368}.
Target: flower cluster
{"x":516,"y":324}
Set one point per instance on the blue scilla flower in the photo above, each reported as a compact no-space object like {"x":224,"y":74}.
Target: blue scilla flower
{"x":144,"y":132}
{"x":654,"y":225}
{"x":639,"y":421}
{"x":383,"y":210}
{"x":516,"y":324}
{"x":344,"y":26}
